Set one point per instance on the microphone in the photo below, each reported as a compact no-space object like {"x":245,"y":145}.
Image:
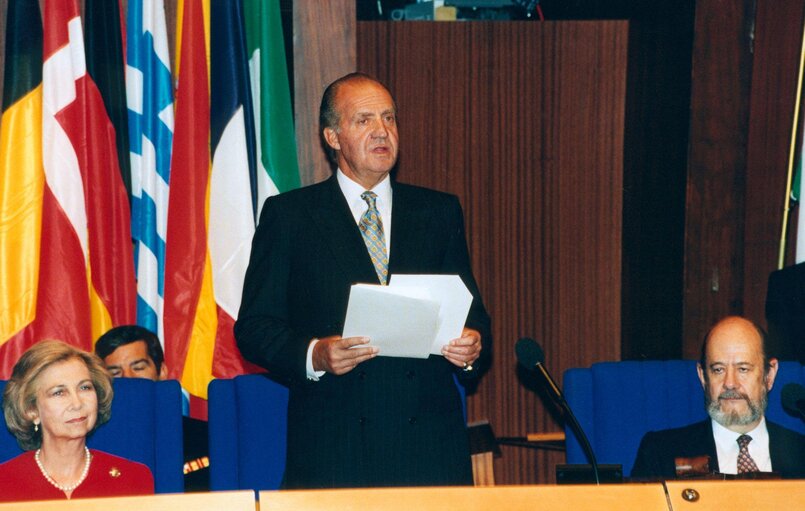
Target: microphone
{"x":531,"y":356}
{"x":793,"y":398}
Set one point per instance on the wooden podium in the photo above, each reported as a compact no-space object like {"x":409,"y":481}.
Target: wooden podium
{"x":736,"y":495}
{"x":680,"y":496}
{"x":240,"y":500}
{"x":622,"y":497}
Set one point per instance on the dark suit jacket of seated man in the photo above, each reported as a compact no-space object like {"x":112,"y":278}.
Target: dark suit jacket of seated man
{"x":736,"y":376}
{"x":356,"y":419}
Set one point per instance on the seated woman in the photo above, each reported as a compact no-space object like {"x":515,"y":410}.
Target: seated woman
{"x":56,"y":397}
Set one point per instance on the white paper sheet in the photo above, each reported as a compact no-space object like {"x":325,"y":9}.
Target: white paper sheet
{"x":454,"y":303}
{"x":414,"y":316}
{"x":399,"y":324}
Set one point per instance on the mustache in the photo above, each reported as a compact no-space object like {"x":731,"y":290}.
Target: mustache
{"x":733,"y":394}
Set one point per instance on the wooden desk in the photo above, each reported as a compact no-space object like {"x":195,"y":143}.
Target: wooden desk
{"x":736,"y":495}
{"x":625,"y":497}
{"x":241,"y":500}
{"x":709,"y":496}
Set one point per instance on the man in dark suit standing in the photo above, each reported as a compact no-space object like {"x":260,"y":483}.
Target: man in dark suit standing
{"x":736,"y":376}
{"x":785,"y":313}
{"x":355,"y":417}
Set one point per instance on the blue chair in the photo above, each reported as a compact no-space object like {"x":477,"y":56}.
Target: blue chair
{"x":248,"y":432}
{"x":616,"y":403}
{"x":146,"y":426}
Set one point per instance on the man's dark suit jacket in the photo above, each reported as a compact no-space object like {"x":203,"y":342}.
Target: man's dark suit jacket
{"x":390,"y":421}
{"x":785,"y":313}
{"x":655,"y":456}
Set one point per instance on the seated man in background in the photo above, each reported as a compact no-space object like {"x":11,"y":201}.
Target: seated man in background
{"x":131,"y":351}
{"x":736,"y":375}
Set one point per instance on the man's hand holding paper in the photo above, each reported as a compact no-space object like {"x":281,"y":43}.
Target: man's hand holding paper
{"x":465,"y":350}
{"x":340,"y":355}
{"x":415,"y":316}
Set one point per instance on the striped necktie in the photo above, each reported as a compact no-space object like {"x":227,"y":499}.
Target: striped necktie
{"x":371,"y":226}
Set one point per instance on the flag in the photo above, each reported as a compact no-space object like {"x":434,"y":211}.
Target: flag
{"x":189,"y":308}
{"x":82,"y":172}
{"x":212,"y":221}
{"x":86,"y":275}
{"x":796,"y":194}
{"x":276,"y":149}
{"x":233,"y":185}
{"x":151,"y":124}
{"x":21,"y":175}
{"x":104,"y":43}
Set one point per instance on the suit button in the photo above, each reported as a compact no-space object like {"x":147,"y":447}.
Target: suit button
{"x":410,"y":375}
{"x":362,"y":421}
{"x":411,"y":420}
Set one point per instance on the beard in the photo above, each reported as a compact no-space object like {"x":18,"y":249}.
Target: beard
{"x":753,"y":413}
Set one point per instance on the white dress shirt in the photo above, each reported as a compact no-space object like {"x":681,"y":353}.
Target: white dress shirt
{"x":352,"y":192}
{"x":727,"y":447}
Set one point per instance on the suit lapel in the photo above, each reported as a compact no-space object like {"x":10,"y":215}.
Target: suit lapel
{"x":709,"y":445}
{"x":700,"y":442}
{"x":410,"y":219}
{"x":330,"y":214}
{"x":780,"y":452}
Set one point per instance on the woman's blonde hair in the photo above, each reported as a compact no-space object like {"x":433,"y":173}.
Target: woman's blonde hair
{"x":19,"y":397}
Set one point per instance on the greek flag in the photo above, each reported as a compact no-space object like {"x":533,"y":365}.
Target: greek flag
{"x":150,"y":104}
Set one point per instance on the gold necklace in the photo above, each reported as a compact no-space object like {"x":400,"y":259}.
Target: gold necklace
{"x":69,"y":487}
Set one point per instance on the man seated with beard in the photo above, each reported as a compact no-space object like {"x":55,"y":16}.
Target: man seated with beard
{"x":736,"y":376}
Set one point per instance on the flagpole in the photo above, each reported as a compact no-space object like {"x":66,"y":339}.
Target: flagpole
{"x":791,"y":155}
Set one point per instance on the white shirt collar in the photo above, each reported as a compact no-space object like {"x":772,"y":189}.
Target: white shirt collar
{"x":727,"y":447}
{"x":352,"y":192}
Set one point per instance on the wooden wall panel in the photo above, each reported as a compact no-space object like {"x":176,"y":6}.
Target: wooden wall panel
{"x":655,"y":172}
{"x":715,"y":207}
{"x":777,"y":42}
{"x":524,"y":122}
{"x":323,"y":50}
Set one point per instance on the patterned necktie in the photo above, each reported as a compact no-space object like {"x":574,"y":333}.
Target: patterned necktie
{"x":372,"y":229}
{"x":745,"y":461}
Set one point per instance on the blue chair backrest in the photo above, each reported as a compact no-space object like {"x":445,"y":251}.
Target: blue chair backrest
{"x":616,"y":403}
{"x":248,"y":431}
{"x":248,"y":417}
{"x":146,"y":426}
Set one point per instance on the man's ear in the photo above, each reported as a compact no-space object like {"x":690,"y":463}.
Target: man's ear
{"x":163,"y":372}
{"x":771,"y":374}
{"x":331,"y":137}
{"x":700,"y":370}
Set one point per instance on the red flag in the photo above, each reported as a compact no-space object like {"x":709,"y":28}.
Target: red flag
{"x":186,"y":255}
{"x":86,"y":270}
{"x":201,"y":278}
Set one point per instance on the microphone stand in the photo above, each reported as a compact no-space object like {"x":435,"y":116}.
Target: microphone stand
{"x":573,"y":422}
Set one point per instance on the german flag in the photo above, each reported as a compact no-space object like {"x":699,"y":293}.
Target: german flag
{"x":83,"y":269}
{"x":21,"y":174}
